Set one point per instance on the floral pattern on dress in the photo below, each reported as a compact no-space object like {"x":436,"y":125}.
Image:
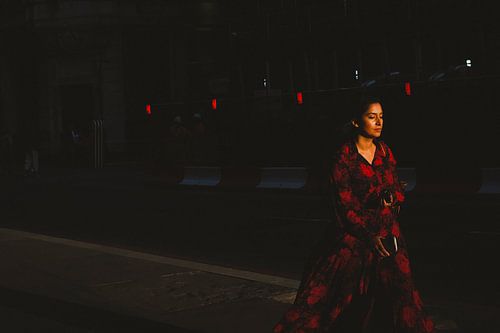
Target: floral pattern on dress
{"x":344,"y":279}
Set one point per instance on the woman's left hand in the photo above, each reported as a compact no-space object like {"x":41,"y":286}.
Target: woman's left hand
{"x":393,"y":204}
{"x":388,"y":204}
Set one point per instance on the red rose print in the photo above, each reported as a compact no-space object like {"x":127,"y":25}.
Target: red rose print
{"x":292,"y":315}
{"x":316,"y":294}
{"x":377,"y":161}
{"x":372,"y":189}
{"x":335,"y":312}
{"x":417,"y":300}
{"x":348,"y":299}
{"x":409,"y":316}
{"x":345,"y":196}
{"x":385,"y":211}
{"x":345,"y":253}
{"x":383,"y":232}
{"x":338,"y":173}
{"x":428,"y":325}
{"x":313,"y":322}
{"x":350,"y":240}
{"x":332,"y":258}
{"x":400,"y":196}
{"x":407,"y":285}
{"x":389,"y":177}
{"x":403,"y":263}
{"x":392,"y":160}
{"x":344,"y":158}
{"x":351,"y":215}
{"x":345,"y":150}
{"x":337,"y":265}
{"x":366,"y":170}
{"x":395,"y":229}
{"x":278,"y":328}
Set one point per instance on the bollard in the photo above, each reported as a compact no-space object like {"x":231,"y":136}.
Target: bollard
{"x":97,"y":130}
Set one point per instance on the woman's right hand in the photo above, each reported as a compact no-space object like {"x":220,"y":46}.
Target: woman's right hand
{"x":379,"y":247}
{"x":389,"y":203}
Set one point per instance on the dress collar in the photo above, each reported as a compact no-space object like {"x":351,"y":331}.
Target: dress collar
{"x":377,"y":158}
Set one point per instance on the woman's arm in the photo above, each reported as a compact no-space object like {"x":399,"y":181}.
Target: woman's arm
{"x":399,"y":191}
{"x":348,"y":205}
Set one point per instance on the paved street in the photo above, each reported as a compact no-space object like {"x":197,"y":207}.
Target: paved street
{"x":453,"y":243}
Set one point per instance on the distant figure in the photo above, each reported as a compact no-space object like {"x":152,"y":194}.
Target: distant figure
{"x":31,"y":162}
{"x":76,"y":145}
{"x":76,"y":135}
{"x":199,"y":128}
{"x":198,"y":138}
{"x":178,"y":141}
{"x":178,"y":130}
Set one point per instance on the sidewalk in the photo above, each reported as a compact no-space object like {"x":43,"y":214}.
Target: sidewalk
{"x":63,"y":283}
{"x":72,"y":286}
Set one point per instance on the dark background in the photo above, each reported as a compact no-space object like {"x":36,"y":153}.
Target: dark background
{"x":66,"y":62}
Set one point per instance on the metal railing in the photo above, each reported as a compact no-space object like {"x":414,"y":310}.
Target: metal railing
{"x":97,"y":140}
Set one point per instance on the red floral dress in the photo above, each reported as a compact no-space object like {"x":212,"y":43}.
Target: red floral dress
{"x":346,"y":286}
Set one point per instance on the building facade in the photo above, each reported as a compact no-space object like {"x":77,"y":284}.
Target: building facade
{"x":64,"y":63}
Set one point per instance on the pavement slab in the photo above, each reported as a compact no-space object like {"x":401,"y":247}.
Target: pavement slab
{"x":113,"y":287}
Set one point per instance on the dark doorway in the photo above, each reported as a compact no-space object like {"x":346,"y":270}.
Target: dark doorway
{"x":78,"y":109}
{"x":77,"y":103}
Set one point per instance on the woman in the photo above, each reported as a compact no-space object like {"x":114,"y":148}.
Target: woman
{"x":352,"y":283}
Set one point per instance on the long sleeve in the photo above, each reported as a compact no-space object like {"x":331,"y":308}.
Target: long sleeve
{"x":398,"y":189}
{"x":348,"y":206}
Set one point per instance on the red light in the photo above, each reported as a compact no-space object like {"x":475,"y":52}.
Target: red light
{"x":148,"y":109}
{"x":408,"y":89}
{"x":214,"y":104}
{"x":300,"y":99}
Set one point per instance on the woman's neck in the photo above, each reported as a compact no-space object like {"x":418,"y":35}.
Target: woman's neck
{"x":364,"y":143}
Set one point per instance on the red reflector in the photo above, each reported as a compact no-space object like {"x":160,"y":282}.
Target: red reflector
{"x":214,"y":104}
{"x":148,"y":109}
{"x":408,"y":89}
{"x":300,"y":99}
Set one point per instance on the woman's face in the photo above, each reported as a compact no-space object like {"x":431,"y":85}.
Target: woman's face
{"x":371,"y":122}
